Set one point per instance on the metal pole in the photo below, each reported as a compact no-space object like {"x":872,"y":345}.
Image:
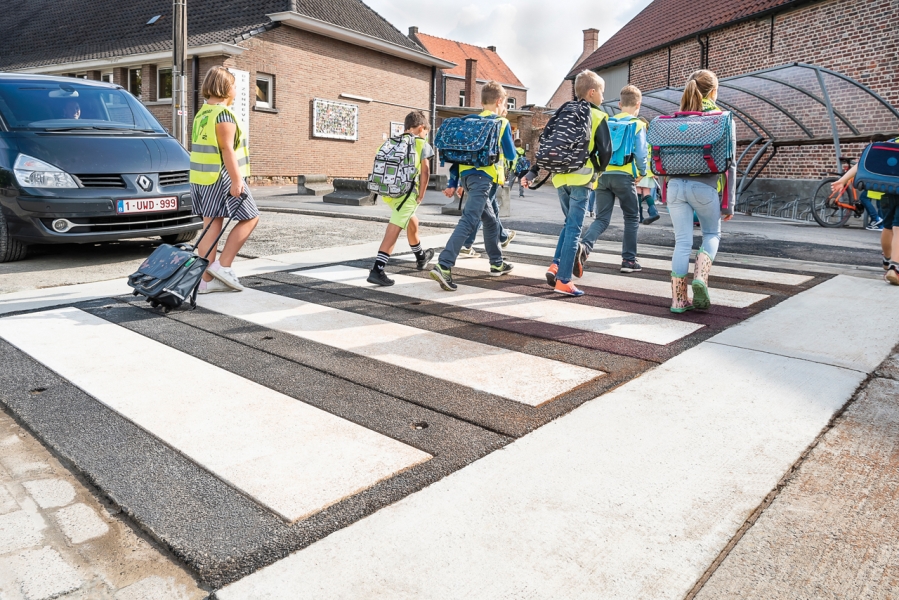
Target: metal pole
{"x":179,"y":76}
{"x":833,"y":121}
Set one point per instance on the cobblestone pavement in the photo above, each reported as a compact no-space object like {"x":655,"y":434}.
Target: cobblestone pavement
{"x":58,"y":540}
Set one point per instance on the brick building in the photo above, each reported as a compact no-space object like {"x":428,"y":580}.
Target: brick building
{"x":326,"y":80}
{"x":855,"y":38}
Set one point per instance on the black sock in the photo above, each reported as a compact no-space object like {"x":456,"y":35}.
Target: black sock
{"x":419,"y":253}
{"x":381,"y":261}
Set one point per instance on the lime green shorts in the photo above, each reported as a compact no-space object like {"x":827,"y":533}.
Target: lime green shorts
{"x":402,"y":214}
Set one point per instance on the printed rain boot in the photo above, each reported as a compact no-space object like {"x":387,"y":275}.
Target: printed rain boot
{"x":701,"y":299}
{"x":680,"y":301}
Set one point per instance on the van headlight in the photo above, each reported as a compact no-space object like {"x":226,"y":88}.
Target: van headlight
{"x":31,"y":172}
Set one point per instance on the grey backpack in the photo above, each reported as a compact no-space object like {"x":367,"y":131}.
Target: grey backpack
{"x":395,"y":169}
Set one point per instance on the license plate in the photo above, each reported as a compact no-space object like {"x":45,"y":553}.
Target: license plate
{"x":143,"y":205}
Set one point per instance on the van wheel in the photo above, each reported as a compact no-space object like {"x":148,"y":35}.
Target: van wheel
{"x":179,"y":238}
{"x":10,"y":249}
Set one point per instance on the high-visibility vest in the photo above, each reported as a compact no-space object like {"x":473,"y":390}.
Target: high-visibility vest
{"x":496,"y":171}
{"x":583,"y":176}
{"x":205,"y":157}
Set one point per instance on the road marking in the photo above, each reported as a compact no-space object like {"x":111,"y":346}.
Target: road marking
{"x":644,"y":328}
{"x":623,"y":283}
{"x":291,"y":457}
{"x":634,"y":493}
{"x":665,"y":265}
{"x":520,"y":377}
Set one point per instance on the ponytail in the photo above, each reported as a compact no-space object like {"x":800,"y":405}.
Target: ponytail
{"x":701,"y":83}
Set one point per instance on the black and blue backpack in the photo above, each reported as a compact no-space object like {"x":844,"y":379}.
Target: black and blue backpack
{"x":878,"y":168}
{"x":472,"y":140}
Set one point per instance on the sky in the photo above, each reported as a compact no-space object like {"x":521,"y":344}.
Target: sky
{"x":538,"y":39}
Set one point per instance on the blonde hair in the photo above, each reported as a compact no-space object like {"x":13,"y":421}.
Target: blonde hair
{"x":588,"y":80}
{"x":492,"y":92}
{"x":217,"y":83}
{"x":630,"y":95}
{"x":701,"y":83}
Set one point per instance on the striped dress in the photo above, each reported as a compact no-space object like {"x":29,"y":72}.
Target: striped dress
{"x":208,"y":199}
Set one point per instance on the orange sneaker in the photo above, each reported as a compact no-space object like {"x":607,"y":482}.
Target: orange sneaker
{"x":568,"y":289}
{"x":551,"y":273}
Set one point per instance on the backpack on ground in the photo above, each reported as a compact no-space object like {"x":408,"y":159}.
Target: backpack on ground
{"x":624,"y":140}
{"x":171,"y":274}
{"x":691,"y":143}
{"x":395,"y":170}
{"x":565,"y":142}
{"x":878,"y":168}
{"x":472,"y":140}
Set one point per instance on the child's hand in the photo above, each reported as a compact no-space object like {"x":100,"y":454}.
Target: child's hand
{"x":449,"y":192}
{"x":838,"y":185}
{"x":420,"y":198}
{"x":236,"y":188}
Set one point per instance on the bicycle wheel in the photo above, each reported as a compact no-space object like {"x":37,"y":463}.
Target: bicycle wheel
{"x":824,"y":207}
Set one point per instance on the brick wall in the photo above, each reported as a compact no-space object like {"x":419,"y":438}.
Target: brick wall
{"x":853,"y":37}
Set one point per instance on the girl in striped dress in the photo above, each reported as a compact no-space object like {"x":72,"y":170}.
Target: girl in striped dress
{"x":219,"y":165}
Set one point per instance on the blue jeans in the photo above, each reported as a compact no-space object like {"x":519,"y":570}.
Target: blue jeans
{"x":503,"y":233}
{"x":623,"y":186}
{"x":574,"y":206}
{"x":870,"y":207}
{"x":685,"y":197}
{"x":478,"y":209}
{"x":591,"y":199}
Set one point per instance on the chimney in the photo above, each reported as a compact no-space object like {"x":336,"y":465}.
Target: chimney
{"x":413,"y":31}
{"x":491,"y":48}
{"x":471,"y":81}
{"x":591,"y":41}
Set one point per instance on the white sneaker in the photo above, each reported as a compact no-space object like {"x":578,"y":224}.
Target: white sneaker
{"x":208,"y":287}
{"x":469,"y":253}
{"x":225,"y":275}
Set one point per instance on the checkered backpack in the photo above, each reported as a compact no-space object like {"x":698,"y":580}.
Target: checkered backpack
{"x":691,"y":143}
{"x":395,"y":169}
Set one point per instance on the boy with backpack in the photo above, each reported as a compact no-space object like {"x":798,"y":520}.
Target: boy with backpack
{"x":400,"y":174}
{"x":628,"y":165}
{"x":576,"y":145}
{"x":480,"y":180}
{"x":520,"y":167}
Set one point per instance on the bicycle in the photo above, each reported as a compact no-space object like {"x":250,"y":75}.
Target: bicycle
{"x":834,"y":209}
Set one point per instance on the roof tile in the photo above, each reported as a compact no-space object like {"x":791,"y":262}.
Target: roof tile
{"x":490,"y":65}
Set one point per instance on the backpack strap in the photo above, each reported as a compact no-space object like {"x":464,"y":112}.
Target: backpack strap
{"x":657,"y":160}
{"x":709,"y":159}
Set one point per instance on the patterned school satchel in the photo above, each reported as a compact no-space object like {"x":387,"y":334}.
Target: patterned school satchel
{"x":471,"y":140}
{"x":691,"y":143}
{"x":395,"y":170}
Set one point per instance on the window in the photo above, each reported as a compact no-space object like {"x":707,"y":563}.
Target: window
{"x":265,"y":91}
{"x":134,"y":83}
{"x":510,"y":103}
{"x":81,"y":76}
{"x":163,"y":84}
{"x":107,"y":77}
{"x":461,"y":97}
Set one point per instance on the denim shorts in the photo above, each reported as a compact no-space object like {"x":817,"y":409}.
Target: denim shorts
{"x":889,"y":208}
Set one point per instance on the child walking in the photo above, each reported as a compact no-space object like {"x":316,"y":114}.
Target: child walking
{"x":219,"y":166}
{"x":403,"y":216}
{"x":697,"y":193}
{"x":573,"y":188}
{"x":480,"y":184}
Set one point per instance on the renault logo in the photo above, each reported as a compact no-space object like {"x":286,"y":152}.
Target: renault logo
{"x":145,"y":183}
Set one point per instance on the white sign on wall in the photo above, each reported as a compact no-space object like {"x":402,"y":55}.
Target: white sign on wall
{"x":243,"y":99}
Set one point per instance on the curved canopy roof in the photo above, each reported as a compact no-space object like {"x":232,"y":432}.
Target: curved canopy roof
{"x":791,"y":105}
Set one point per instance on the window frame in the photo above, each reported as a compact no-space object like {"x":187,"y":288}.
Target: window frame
{"x":141,"y":83}
{"x":462,"y":97}
{"x":159,"y":71}
{"x":111,"y":77}
{"x":511,"y":103}
{"x":270,"y":80}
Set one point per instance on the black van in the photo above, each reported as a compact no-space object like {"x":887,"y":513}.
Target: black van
{"x":83,"y":161}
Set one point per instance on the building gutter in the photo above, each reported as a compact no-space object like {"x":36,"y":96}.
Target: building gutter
{"x":505,"y":85}
{"x":356,"y":38}
{"x":128,"y":60}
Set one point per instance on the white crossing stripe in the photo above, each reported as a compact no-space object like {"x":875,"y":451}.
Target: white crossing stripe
{"x":521,"y":377}
{"x":291,"y":457}
{"x":644,"y":328}
{"x":623,"y":283}
{"x":665,"y":265}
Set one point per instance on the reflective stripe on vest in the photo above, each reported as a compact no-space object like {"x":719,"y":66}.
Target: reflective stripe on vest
{"x":584,"y":175}
{"x":205,"y":158}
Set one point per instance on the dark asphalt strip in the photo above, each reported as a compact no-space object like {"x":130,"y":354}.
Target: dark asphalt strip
{"x":218,"y":531}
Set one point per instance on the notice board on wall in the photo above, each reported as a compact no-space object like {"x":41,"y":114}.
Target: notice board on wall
{"x":335,"y":120}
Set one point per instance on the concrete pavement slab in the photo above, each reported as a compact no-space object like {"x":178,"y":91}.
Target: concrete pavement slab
{"x":831,"y":531}
{"x":50,"y":493}
{"x":20,"y":529}
{"x":823,"y":325}
{"x":494,"y":370}
{"x":631,"y":495}
{"x":80,"y":523}
{"x":289,"y":456}
{"x":43,"y":574}
{"x":615,"y":323}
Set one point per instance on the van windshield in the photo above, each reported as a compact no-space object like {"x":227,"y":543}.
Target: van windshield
{"x":55,"y":106}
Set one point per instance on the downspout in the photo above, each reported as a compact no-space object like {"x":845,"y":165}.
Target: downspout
{"x":433,"y":112}
{"x":195,"y":75}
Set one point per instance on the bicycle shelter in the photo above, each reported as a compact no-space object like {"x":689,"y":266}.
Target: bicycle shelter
{"x":795,"y":104}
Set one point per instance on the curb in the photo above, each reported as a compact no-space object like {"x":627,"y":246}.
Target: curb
{"x":374,"y":218}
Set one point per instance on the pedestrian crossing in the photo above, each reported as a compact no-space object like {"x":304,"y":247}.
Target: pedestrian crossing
{"x":318,"y":399}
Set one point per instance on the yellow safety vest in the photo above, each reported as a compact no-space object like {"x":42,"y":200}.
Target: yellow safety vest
{"x":496,"y":172}
{"x":584,"y":176}
{"x":205,"y":156}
